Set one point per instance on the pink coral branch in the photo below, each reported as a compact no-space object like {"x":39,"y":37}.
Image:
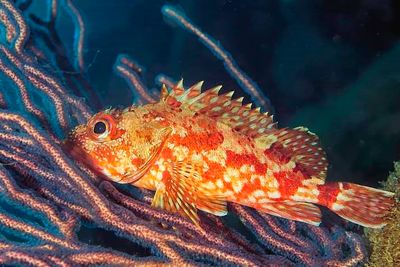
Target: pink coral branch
{"x":128,"y":70}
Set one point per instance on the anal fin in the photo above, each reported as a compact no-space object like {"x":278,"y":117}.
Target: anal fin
{"x":297,"y":211}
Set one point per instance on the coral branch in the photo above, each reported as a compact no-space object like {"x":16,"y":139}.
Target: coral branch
{"x":163,"y":79}
{"x":128,"y":70}
{"x":23,"y":29}
{"x":79,"y":35}
{"x":230,"y":65}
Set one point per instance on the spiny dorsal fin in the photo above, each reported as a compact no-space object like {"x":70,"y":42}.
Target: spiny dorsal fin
{"x":164,"y":93}
{"x":299,"y":145}
{"x":221,"y":107}
{"x":192,"y":92}
{"x":178,"y":89}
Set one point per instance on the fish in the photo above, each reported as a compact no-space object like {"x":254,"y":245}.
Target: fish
{"x":199,"y":150}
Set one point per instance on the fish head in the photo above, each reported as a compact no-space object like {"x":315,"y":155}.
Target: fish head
{"x":120,"y":145}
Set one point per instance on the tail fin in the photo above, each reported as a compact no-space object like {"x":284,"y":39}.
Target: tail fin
{"x":359,"y":204}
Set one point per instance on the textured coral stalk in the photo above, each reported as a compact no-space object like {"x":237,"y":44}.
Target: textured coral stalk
{"x":385,"y":243}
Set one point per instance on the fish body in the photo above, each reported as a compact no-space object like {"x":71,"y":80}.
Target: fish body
{"x":198,"y":151}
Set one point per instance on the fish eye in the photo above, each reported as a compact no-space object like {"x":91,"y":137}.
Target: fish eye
{"x":103,"y":127}
{"x":100,"y":127}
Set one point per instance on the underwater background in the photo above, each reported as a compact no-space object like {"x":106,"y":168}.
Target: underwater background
{"x":332,"y":66}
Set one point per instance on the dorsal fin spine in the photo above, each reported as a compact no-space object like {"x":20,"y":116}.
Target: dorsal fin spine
{"x":239,"y":100}
{"x":242,"y":118}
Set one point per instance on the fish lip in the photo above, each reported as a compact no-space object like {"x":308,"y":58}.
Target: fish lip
{"x":73,"y":150}
{"x":81,"y":157}
{"x":68,"y":146}
{"x":77,"y":153}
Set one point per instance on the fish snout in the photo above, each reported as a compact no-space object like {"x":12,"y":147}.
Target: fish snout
{"x":73,"y":144}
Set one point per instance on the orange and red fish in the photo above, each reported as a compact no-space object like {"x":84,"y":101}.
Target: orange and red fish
{"x":198,"y":151}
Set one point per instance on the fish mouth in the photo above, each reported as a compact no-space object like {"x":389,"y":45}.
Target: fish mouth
{"x":69,"y":147}
{"x":129,"y":178}
{"x":78,"y":154}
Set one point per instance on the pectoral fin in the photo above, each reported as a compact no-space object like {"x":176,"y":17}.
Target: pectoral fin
{"x":168,"y":197}
{"x":177,"y":192}
{"x":183,"y":193}
{"x":211,"y":201}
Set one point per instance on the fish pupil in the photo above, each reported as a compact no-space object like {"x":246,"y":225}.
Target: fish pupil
{"x":99,"y":127}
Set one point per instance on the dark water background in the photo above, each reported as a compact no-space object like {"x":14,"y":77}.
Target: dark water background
{"x":333,"y":66}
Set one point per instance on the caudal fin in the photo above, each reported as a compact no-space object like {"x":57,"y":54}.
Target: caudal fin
{"x":359,"y":204}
